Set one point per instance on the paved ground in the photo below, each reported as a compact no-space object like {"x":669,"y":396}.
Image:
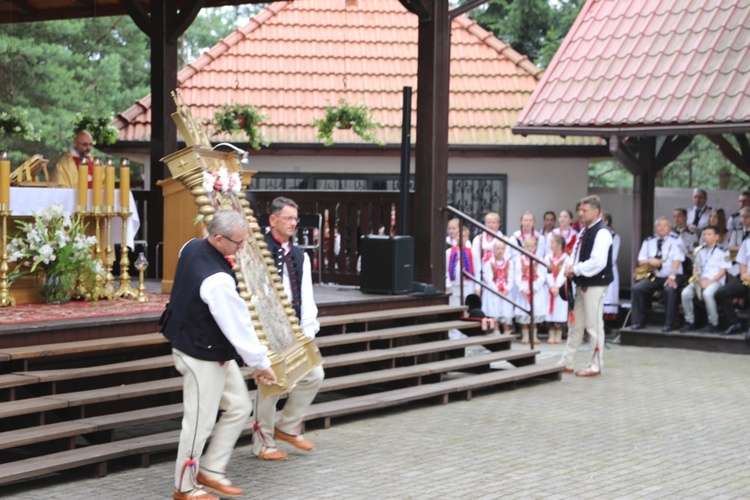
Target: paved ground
{"x":658,"y":424}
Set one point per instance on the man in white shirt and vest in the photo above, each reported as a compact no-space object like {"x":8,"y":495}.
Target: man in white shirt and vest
{"x":591,"y":272}
{"x":697,"y":216}
{"x":209,"y":326}
{"x":296,"y":272}
{"x":664,"y":252}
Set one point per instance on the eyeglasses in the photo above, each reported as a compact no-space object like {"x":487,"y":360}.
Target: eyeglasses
{"x":289,"y":218}
{"x":238,"y":243}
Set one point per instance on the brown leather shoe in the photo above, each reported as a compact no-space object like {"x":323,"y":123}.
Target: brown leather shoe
{"x":224,"y":490}
{"x":296,"y":441}
{"x":193,"y":495}
{"x":272,"y":455}
{"x":568,"y":370}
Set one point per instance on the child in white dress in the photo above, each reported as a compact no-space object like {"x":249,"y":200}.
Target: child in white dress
{"x":498,"y":275}
{"x":527,"y":271}
{"x":557,"y":314}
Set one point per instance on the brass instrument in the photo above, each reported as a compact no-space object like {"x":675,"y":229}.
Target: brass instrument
{"x":695,"y":279}
{"x":646,"y":271}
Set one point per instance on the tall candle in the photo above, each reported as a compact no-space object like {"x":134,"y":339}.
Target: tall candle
{"x":109,"y":187}
{"x":83,"y":186}
{"x":4,"y":177}
{"x":125,"y":185}
{"x":97,"y":186}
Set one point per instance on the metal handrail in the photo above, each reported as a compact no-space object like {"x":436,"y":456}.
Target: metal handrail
{"x":461,"y":217}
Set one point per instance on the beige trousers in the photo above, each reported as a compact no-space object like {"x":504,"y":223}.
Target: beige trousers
{"x":589,"y":316}
{"x":209,"y":386}
{"x":290,"y":421}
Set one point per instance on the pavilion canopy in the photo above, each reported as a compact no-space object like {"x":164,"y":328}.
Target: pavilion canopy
{"x":19,"y":11}
{"x":647,"y":68}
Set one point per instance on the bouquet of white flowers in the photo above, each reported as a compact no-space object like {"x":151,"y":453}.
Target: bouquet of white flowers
{"x":56,"y":243}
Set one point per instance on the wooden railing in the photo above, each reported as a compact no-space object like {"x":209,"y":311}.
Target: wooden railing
{"x":347,"y":217}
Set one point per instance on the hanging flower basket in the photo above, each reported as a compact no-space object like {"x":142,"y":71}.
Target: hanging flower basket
{"x":100,"y":129}
{"x":15,"y":123}
{"x":237,"y":118}
{"x":347,"y":116}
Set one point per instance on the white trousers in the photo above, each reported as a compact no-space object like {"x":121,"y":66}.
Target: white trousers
{"x":290,"y":421}
{"x":209,"y":386}
{"x":708,"y":299}
{"x":589,"y":316}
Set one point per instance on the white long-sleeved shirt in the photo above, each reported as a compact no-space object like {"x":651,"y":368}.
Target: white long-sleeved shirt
{"x":308,"y":309}
{"x":599,"y":254}
{"x":230,"y":312}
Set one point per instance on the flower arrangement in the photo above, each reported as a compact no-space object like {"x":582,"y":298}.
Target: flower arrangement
{"x":16,"y":124}
{"x":347,"y":116}
{"x":56,"y":243}
{"x":220,"y":181}
{"x":241,"y":117}
{"x":100,"y":129}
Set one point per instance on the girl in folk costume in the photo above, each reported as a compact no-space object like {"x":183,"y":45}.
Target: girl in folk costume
{"x":548,"y":227}
{"x":498,"y":274}
{"x":527,"y":231}
{"x":557,"y":312}
{"x":527,"y":271}
{"x":570,"y":235}
{"x":612,"y":297}
{"x":453,"y":273}
{"x":483,"y":244}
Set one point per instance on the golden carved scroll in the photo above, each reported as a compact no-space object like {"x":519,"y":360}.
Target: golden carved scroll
{"x":292,"y":354}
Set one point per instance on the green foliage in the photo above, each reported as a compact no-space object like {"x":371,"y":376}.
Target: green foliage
{"x":241,"y":117}
{"x":702,"y":165}
{"x":345,"y":116}
{"x":534,"y":28}
{"x":55,"y":70}
{"x":100,"y":129}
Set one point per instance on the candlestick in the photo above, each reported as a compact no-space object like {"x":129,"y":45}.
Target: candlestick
{"x":125,"y":290}
{"x":4,"y":177}
{"x":97,"y":184}
{"x":141,"y":264}
{"x":83,"y":186}
{"x":109,"y":188}
{"x":5,"y":298}
{"x":124,"y":185}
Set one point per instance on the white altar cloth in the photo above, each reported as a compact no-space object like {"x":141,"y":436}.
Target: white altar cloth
{"x":25,"y":200}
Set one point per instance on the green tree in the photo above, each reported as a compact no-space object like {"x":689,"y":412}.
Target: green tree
{"x":563,"y":16}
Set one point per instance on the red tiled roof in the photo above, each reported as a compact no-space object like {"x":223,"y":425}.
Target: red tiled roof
{"x":638,"y":66}
{"x":294,"y":58}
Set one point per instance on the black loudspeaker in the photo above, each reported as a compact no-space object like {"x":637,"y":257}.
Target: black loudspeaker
{"x":387,"y":265}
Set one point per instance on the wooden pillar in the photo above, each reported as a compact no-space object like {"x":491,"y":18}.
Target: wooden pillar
{"x":163,"y":129}
{"x":431,"y":152}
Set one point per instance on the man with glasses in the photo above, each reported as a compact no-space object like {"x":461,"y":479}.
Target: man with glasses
{"x":209,"y":326}
{"x":65,"y":173}
{"x":296,"y":275}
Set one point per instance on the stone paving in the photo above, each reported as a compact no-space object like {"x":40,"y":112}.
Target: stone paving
{"x":660,"y":423}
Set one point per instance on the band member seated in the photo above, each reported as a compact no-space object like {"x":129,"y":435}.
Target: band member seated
{"x":689,"y":240}
{"x":709,"y":274}
{"x":735,"y":288}
{"x":663,"y":254}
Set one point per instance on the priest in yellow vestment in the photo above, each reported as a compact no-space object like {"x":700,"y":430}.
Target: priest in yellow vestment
{"x":65,"y":173}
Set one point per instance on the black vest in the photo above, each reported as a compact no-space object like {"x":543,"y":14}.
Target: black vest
{"x":298,"y":256}
{"x":605,"y":276}
{"x":187,"y":322}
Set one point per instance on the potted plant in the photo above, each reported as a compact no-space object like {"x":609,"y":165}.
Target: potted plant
{"x":347,"y":116}
{"x":241,"y":118}
{"x":54,"y":242}
{"x":15,"y":124}
{"x":100,"y":129}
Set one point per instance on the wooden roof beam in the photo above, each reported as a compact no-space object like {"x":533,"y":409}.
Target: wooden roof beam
{"x":669,"y":148}
{"x":184,"y":19}
{"x":140,"y":17}
{"x":730,"y":153}
{"x":467,"y":7}
{"x":22,"y":6}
